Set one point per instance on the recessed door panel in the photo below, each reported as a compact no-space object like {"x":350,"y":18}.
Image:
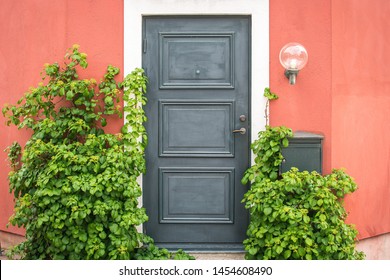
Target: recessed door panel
{"x":193,"y":60}
{"x":196,"y":195}
{"x":196,"y":128}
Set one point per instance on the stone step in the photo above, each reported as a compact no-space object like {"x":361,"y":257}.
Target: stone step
{"x":218,"y":256}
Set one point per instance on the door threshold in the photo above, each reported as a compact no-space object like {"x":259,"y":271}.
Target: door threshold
{"x":204,"y":247}
{"x":218,"y":256}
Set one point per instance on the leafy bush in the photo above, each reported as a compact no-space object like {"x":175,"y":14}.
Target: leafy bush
{"x":76,"y":186}
{"x":152,"y":252}
{"x":299,"y":216}
{"x":268,"y":151}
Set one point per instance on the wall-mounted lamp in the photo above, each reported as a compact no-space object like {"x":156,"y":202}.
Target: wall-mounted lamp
{"x":293,"y":57}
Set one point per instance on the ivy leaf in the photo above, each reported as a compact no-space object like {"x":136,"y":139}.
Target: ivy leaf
{"x":114,"y":228}
{"x":269,"y":95}
{"x":301,"y":251}
{"x":267,"y":211}
{"x":285,"y":142}
{"x":308,"y":241}
{"x":83,"y":237}
{"x":253,"y":251}
{"x":69,"y":95}
{"x":287,"y":254}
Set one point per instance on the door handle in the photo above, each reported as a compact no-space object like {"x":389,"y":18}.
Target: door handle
{"x":242,"y":130}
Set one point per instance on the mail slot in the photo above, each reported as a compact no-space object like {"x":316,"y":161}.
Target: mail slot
{"x":303,"y":152}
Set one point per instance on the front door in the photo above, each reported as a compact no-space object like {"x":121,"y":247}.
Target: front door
{"x":198,"y":128}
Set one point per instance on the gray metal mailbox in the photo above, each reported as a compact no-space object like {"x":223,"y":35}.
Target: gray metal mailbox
{"x":303,"y":152}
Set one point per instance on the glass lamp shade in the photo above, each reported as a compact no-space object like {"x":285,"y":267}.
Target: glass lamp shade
{"x":293,"y":56}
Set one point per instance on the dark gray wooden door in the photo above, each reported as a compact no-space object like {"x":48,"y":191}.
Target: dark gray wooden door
{"x":198,"y":97}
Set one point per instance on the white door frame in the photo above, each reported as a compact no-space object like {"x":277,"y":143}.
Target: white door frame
{"x":134,"y":10}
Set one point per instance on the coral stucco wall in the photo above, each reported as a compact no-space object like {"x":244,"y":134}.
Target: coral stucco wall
{"x":35,"y":32}
{"x":307,"y":104}
{"x":361,"y":108}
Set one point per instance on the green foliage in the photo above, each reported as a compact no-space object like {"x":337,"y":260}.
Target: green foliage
{"x":150,"y":252}
{"x":76,"y":190}
{"x":270,"y":95}
{"x":298,"y":216}
{"x":14,"y":154}
{"x":268,"y":151}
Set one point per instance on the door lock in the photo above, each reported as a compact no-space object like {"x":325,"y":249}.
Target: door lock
{"x":242,"y":130}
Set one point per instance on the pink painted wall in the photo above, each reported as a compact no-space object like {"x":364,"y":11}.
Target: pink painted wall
{"x":35,"y":32}
{"x":307,"y":104}
{"x":361,"y":108}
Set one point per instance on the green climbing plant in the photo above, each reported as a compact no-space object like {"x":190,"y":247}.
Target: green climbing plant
{"x":298,"y":215}
{"x":269,"y":95}
{"x":268,"y":153}
{"x":75,"y":186}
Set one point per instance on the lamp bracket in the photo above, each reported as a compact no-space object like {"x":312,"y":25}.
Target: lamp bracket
{"x":289,"y":72}
{"x":291,"y":75}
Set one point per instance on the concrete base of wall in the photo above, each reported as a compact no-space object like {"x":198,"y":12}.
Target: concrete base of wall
{"x":376,"y":248}
{"x":8,"y":240}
